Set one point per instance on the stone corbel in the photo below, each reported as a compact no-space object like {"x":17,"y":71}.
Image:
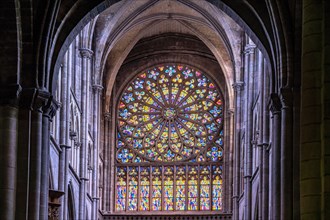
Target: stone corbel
{"x":86,"y":53}
{"x":34,"y":99}
{"x":238,"y":86}
{"x":249,"y":48}
{"x":107,"y":116}
{"x":54,"y":204}
{"x":97,"y":88}
{"x":73,"y":135}
{"x":50,"y":109}
{"x":77,"y":144}
{"x":274,"y":104}
{"x":286,"y":97}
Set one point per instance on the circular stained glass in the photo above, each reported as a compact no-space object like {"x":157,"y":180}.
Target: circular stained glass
{"x":170,"y":113}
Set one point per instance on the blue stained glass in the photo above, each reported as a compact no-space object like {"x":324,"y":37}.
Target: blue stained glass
{"x":169,"y":113}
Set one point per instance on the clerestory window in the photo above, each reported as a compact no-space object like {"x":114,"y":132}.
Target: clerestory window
{"x":169,"y":149}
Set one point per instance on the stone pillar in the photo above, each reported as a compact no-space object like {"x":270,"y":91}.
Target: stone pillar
{"x":49,"y":112}
{"x":315,"y":111}
{"x":228,"y":162}
{"x":238,"y":87}
{"x":106,"y":165}
{"x":286,"y":154}
{"x":29,"y":153}
{"x":64,"y":110}
{"x":86,"y":56}
{"x":265,"y":146}
{"x":8,"y":150}
{"x":97,"y":89}
{"x":249,"y":69}
{"x":40,"y":100}
{"x":275,"y":107}
{"x":260,"y":163}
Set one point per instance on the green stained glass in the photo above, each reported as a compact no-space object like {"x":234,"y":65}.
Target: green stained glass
{"x":170,"y":142}
{"x":168,"y":107}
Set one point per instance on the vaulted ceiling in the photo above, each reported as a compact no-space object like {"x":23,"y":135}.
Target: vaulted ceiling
{"x":121,"y":26}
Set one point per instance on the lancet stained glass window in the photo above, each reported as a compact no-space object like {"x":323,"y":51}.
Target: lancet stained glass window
{"x":169,"y":148}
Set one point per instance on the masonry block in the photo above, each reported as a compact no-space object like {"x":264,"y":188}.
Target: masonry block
{"x":310,"y":151}
{"x":310,"y":133}
{"x":310,"y":169}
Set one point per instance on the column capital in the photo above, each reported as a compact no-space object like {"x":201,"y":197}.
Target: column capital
{"x":77,"y":144}
{"x":9,"y":94}
{"x":274,"y":104}
{"x":97,"y":88}
{"x":249,"y":48}
{"x":86,"y":53}
{"x":50,"y":109}
{"x":286,"y":97}
{"x":34,"y":99}
{"x":107,"y":116}
{"x":230,"y":111}
{"x":238,"y":86}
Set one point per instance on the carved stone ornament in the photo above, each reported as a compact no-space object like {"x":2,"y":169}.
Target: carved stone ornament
{"x":97,"y":88}
{"x":107,"y":116}
{"x":86,"y":53}
{"x":249,"y":48}
{"x":51,"y":108}
{"x":54,"y":204}
{"x":286,"y":97}
{"x":34,"y":99}
{"x":238,"y":86}
{"x":274,"y":104}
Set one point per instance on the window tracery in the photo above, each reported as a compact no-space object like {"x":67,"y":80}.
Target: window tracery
{"x":169,"y":148}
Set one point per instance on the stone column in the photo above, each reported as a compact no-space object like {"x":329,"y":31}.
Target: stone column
{"x":97,"y":89}
{"x":49,"y":112}
{"x":64,"y":110}
{"x":315,"y":111}
{"x":86,"y":56}
{"x":32,"y":100}
{"x":8,"y":149}
{"x":286,"y":154}
{"x":238,"y":87}
{"x":265,"y":146}
{"x":106,"y":165}
{"x":259,"y":134}
{"x":228,"y":161}
{"x":275,"y":107}
{"x":40,"y":99}
{"x":249,"y":69}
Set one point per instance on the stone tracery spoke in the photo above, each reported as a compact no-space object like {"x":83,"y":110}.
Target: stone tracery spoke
{"x":170,"y":113}
{"x":170,"y":120}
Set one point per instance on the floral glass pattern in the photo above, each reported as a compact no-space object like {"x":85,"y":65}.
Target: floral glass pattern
{"x":169,"y":142}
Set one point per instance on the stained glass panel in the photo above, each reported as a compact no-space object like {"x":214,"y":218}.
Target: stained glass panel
{"x":121,"y":189}
{"x":217,"y":187}
{"x":193,"y":188}
{"x":157,"y":188}
{"x":170,"y":144}
{"x":169,"y":113}
{"x":132,"y":188}
{"x":180,"y":188}
{"x":205,"y":188}
{"x":145,"y":186}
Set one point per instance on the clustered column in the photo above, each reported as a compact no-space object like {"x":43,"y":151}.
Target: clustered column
{"x":97,"y":89}
{"x":248,"y":74}
{"x":275,"y":107}
{"x":238,"y":87}
{"x":86,"y":56}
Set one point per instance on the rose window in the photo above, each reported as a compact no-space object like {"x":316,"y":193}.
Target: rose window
{"x":169,"y":114}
